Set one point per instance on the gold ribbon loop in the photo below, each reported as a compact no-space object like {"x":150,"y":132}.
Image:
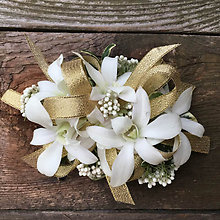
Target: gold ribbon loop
{"x":69,"y":106}
{"x":147,"y":62}
{"x":75,"y":77}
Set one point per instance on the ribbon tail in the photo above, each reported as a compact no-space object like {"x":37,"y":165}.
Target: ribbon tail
{"x":120,"y":193}
{"x":39,"y":57}
{"x":200,"y":145}
{"x":12,"y":98}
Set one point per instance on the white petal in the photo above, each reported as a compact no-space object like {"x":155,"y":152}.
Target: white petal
{"x":104,"y":163}
{"x":87,"y":142}
{"x":47,"y":86}
{"x":192,"y":127}
{"x":109,"y":69}
{"x":123,"y":165}
{"x":47,"y":89}
{"x":104,"y":136}
{"x":154,"y":141}
{"x":127,"y":94}
{"x":96,"y":94}
{"x":184,"y":151}
{"x":49,"y":161}
{"x":54,"y":70}
{"x":95,"y":116}
{"x":43,"y":136}
{"x":95,"y":75}
{"x":123,"y":78}
{"x":35,"y":112}
{"x":81,"y":153}
{"x":121,"y":124}
{"x":165,"y":126}
{"x":63,"y":88}
{"x":141,"y":108}
{"x":70,"y":157}
{"x":147,"y":152}
{"x":183,"y":103}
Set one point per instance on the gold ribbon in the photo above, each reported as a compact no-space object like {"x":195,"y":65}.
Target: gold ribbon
{"x":151,"y":73}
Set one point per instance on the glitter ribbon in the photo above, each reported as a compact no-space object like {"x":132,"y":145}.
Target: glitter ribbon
{"x":151,"y":73}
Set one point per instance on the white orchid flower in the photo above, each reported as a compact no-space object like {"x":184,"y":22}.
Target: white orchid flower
{"x":64,"y":135}
{"x":134,"y":136}
{"x":181,"y":106}
{"x":107,"y":81}
{"x":56,"y":88}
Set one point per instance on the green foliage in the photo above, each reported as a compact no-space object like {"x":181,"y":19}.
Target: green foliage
{"x":107,"y":50}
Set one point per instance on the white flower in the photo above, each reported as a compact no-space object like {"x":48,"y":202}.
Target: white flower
{"x":107,"y":81}
{"x":56,"y":88}
{"x":182,"y":106}
{"x":134,"y":135}
{"x":65,"y":134}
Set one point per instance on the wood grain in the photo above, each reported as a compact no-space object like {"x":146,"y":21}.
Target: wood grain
{"x":125,"y":215}
{"x":196,"y":186}
{"x":200,"y":16}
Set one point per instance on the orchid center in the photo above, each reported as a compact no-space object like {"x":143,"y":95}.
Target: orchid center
{"x":62,"y":132}
{"x":132,"y":134}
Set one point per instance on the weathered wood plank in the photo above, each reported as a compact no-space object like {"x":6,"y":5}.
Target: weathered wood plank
{"x":125,"y":215}
{"x":21,"y":187}
{"x":189,"y":16}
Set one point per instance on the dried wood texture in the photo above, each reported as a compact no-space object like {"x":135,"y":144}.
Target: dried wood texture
{"x":200,"y":16}
{"x":125,"y":215}
{"x":21,"y":187}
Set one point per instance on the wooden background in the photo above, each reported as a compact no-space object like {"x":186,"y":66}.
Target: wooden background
{"x":136,"y":27}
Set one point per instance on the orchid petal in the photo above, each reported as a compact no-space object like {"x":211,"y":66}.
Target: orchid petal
{"x":192,"y":127}
{"x":43,"y":136}
{"x":54,"y":70}
{"x":35,"y":112}
{"x":81,"y":153}
{"x":184,"y":151}
{"x":49,"y":160}
{"x":47,"y":89}
{"x":183,"y":103}
{"x":165,"y":126}
{"x":109,"y":69}
{"x":154,"y":141}
{"x":104,"y":163}
{"x":147,"y":152}
{"x":95,"y":116}
{"x":105,"y":136}
{"x":121,"y":124}
{"x":127,"y":94}
{"x":141,"y":108}
{"x":96,"y":94}
{"x":95,"y":75}
{"x":87,"y":143}
{"x":123,"y":165}
{"x":123,"y":78}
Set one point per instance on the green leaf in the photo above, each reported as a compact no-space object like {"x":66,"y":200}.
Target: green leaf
{"x":90,"y":54}
{"x":107,"y":50}
{"x":155,"y":95}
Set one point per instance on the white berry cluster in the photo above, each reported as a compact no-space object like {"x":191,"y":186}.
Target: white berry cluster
{"x":94,"y":171}
{"x":109,"y":105}
{"x":162,"y":173}
{"x":27,"y":93}
{"x":125,"y":65}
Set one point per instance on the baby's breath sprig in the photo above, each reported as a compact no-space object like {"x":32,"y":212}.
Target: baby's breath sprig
{"x":162,"y":173}
{"x":27,"y":93}
{"x":125,"y":65}
{"x":109,"y":105}
{"x":93,"y":171}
